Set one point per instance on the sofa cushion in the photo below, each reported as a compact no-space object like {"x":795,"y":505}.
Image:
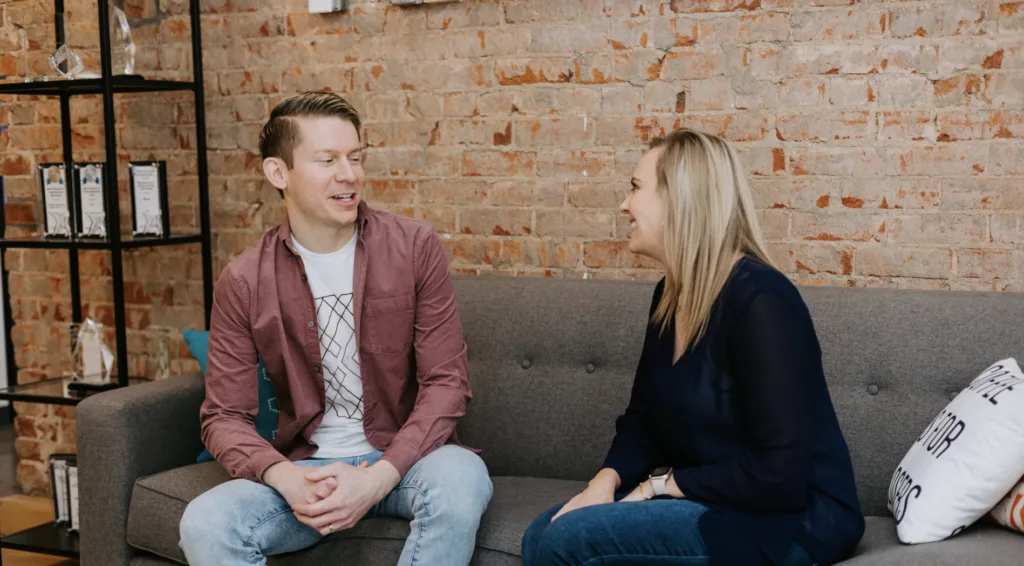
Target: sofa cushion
{"x":159,"y":501}
{"x":982,"y":545}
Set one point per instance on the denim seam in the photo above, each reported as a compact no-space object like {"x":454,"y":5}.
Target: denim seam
{"x":252,"y":532}
{"x":680,"y":559}
{"x":426,"y":507}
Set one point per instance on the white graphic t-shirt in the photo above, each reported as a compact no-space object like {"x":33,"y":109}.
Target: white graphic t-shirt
{"x":340,"y":434}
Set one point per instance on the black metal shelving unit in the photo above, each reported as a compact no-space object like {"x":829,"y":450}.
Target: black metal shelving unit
{"x":51,"y":538}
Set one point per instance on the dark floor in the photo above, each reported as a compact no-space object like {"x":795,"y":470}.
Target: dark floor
{"x":8,"y":461}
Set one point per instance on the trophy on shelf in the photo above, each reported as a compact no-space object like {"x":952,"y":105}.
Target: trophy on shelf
{"x":92,"y":360}
{"x":123,"y":57}
{"x":64,"y":60}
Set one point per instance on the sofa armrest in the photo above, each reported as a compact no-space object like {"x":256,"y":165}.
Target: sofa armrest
{"x":125,"y":434}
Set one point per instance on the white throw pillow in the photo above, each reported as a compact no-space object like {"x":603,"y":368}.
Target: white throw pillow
{"x":965,"y":462}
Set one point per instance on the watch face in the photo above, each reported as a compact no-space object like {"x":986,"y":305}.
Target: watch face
{"x":660,"y":471}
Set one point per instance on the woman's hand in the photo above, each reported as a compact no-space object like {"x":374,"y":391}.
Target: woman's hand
{"x":600,"y":490}
{"x":643,"y":492}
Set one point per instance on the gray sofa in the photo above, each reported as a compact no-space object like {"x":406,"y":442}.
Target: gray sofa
{"x":551,"y":365}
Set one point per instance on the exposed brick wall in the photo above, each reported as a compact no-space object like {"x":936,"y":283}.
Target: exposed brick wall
{"x":882,"y":137}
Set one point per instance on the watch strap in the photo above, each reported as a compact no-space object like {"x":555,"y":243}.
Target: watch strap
{"x":658,"y":483}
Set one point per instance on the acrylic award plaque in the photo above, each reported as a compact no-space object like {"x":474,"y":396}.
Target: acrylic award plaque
{"x":53,"y":183}
{"x":90,"y":206}
{"x":149,"y":198}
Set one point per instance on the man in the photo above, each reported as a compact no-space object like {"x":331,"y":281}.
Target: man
{"x":353,"y":313}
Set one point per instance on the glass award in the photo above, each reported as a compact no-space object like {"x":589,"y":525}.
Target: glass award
{"x":90,"y":207}
{"x":64,"y":60}
{"x":123,"y":56}
{"x":92,"y":360}
{"x":149,"y":198}
{"x":160,"y":353}
{"x":56,"y":204}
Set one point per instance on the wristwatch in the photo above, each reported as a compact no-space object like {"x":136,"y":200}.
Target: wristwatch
{"x":658,"y":478}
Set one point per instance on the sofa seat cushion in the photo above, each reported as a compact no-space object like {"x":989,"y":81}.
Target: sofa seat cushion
{"x":982,"y":544}
{"x":159,"y":501}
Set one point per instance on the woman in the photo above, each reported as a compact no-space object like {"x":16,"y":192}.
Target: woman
{"x":729,"y":452}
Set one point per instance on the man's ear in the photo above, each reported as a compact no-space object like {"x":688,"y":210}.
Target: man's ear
{"x":276,"y":172}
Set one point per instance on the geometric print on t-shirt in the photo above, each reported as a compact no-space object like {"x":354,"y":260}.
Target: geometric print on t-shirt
{"x":340,"y":360}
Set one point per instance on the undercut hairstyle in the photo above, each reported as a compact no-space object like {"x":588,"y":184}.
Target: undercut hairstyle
{"x":280,"y":134}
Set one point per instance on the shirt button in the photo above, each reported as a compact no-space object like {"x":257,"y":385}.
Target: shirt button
{"x":303,"y":278}
{"x":872,"y":389}
{"x":590,"y":368}
{"x":316,"y":368}
{"x":526,"y":364}
{"x":438,"y":445}
{"x":311,"y":324}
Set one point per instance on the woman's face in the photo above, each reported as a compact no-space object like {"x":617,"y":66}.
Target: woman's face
{"x":646,"y":209}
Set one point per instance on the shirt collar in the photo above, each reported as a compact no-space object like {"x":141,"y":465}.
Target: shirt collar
{"x":364,"y":214}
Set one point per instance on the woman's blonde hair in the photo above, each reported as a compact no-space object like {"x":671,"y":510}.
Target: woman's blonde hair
{"x":710,"y":223}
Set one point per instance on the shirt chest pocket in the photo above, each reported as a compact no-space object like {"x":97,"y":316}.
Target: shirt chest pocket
{"x":389,"y":324}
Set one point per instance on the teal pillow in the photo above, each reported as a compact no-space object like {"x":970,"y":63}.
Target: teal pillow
{"x":266,"y":418}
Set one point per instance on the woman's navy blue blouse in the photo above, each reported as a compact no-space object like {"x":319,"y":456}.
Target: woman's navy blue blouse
{"x":746,"y":420}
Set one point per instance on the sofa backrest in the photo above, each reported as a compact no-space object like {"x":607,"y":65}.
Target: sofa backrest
{"x":552,"y":361}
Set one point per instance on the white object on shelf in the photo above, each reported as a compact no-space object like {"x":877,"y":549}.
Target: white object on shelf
{"x":73,"y":495}
{"x":325,"y":6}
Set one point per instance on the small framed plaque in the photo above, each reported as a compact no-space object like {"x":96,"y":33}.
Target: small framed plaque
{"x":149,"y":198}
{"x":53,"y":183}
{"x":90,"y":206}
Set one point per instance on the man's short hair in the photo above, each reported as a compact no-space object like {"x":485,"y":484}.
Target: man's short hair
{"x":280,"y":134}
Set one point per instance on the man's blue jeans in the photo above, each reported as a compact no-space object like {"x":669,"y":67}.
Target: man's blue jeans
{"x":240,"y":522}
{"x":659,"y":531}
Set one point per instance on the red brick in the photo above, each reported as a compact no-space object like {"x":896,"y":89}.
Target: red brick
{"x":480,"y":13}
{"x":982,"y":194}
{"x":937,"y":21}
{"x":827,"y":126}
{"x":1011,"y":16}
{"x":392,"y":191}
{"x":985,"y":264}
{"x":477,"y":132}
{"x":535,"y":70}
{"x":774,"y":223}
{"x":884,"y":261}
{"x":938,"y":229}
{"x":689,"y":64}
{"x":496,"y":221}
{"x":799,"y":194}
{"x":839,"y":25}
{"x":560,"y":163}
{"x":740,"y":127}
{"x":528,"y":11}
{"x":574,"y":224}
{"x":621,"y":100}
{"x":696,"y":6}
{"x":957,"y":90}
{"x":844,"y":226}
{"x":597,"y":194}
{"x":1007,"y":228}
{"x":948,"y":159}
{"x":568,"y":39}
{"x":806,"y":91}
{"x":763,"y":161}
{"x":673,"y":32}
{"x":554,"y":132}
{"x":907,"y":125}
{"x":546,"y":193}
{"x":477,"y":163}
{"x":612,"y":254}
{"x":894,"y":193}
{"x":980,"y":124}
{"x":594,"y":68}
{"x":840,"y":161}
{"x":814,"y":258}
{"x":433,"y":162}
{"x":540,"y":253}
